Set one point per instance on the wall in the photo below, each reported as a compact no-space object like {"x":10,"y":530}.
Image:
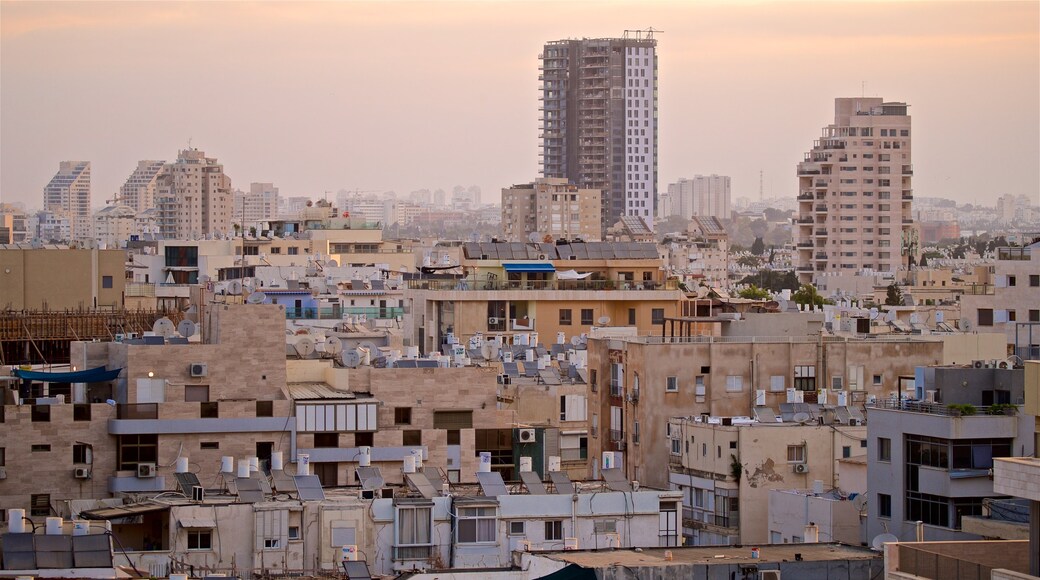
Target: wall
{"x":790,"y":512}
{"x":61,"y":278}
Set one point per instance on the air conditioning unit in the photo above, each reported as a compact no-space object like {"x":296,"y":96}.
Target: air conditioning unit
{"x":978,"y":363}
{"x":621,"y":445}
{"x":801,"y":468}
{"x":198,"y":493}
{"x":198,"y":369}
{"x":367,"y":494}
{"x":1003,"y":364}
{"x":527,"y":435}
{"x":769,"y":575}
{"x":493,"y":320}
{"x":81,"y":473}
{"x":3,"y":473}
{"x":145,"y":470}
{"x":570,"y":544}
{"x":543,"y":257}
{"x":386,"y":493}
{"x":853,"y":422}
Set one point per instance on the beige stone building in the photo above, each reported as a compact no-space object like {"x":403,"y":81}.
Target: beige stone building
{"x":61,"y":278}
{"x":855,"y":192}
{"x":1011,"y":303}
{"x":114,"y":224}
{"x":258,"y":204}
{"x":194,"y":197}
{"x":68,"y":194}
{"x":551,"y":207}
{"x":139,"y":190}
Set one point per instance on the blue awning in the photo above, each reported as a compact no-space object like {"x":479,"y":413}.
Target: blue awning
{"x":94,"y":375}
{"x":529,"y":267}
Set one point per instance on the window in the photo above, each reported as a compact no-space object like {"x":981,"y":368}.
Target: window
{"x":586,"y":316}
{"x":672,"y":385}
{"x":1012,"y":281}
{"x":136,"y":449}
{"x":201,"y":540}
{"x":81,"y":453}
{"x":40,"y":448}
{"x":631,"y":316}
{"x":81,"y":412}
{"x":271,"y":543}
{"x":3,"y":456}
{"x":293,"y":251}
{"x":210,"y":410}
{"x":196,"y":393}
{"x":985,"y":317}
{"x":846,"y":451}
{"x":41,"y":414}
{"x":453,"y":419}
{"x":657,"y":316}
{"x":40,"y":504}
{"x":413,"y":530}
{"x":796,"y":453}
{"x":517,"y":528}
{"x":402,"y":415}
{"x":877,"y":379}
{"x":1034,"y":280}
{"x":734,"y":383}
{"x":836,"y":383}
{"x":1034,"y":315}
{"x":476,"y":525}
{"x":805,"y":378}
{"x":454,"y":437}
{"x":676,"y":447}
{"x":106,"y":281}
{"x":364,"y":439}
{"x":209,"y":445}
{"x":884,"y":452}
{"x":265,"y":408}
{"x":554,"y":530}
{"x":294,"y":532}
{"x":411,"y":437}
{"x":326,"y":439}
{"x":776,"y":383}
{"x":565,"y":317}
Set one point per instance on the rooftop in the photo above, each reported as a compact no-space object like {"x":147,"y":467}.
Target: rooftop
{"x":714,"y":555}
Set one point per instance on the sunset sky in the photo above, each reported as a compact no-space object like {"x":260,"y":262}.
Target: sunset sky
{"x":400,"y":96}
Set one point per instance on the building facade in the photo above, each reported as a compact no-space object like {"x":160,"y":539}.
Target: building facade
{"x":139,"y":190}
{"x":599,"y":99}
{"x":114,"y":224}
{"x":551,"y":207}
{"x":855,"y":192}
{"x":68,"y":194}
{"x":193,"y":196}
{"x":260,"y":203}
{"x":703,"y":195}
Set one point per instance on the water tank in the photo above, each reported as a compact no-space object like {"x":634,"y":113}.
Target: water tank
{"x":525,"y":464}
{"x":364,"y":456}
{"x":485,"y":462}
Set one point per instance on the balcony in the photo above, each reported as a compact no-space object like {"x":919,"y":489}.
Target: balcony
{"x":820,"y":183}
{"x":979,"y":290}
{"x":805,"y":268}
{"x":822,"y":232}
{"x":907,"y":221}
{"x":821,"y":256}
{"x":616,"y":435}
{"x":374,"y":311}
{"x":806,"y":196}
{"x":908,"y":195}
{"x":908,"y":170}
{"x":805,"y":220}
{"x":822,"y":208}
{"x":805,"y":244}
{"x":137,"y":411}
{"x":478,"y":284}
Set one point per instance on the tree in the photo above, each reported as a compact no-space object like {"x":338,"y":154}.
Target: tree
{"x":807,"y":294}
{"x":772,"y":280}
{"x":758,"y":247}
{"x":749,"y":261}
{"x":924,"y":261}
{"x":672,"y":224}
{"x":894,"y":295}
{"x":754,"y":293}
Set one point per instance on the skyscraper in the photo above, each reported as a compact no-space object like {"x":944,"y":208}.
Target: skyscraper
{"x":68,"y":194}
{"x":854,"y":192}
{"x":193,"y":197}
{"x":702,"y":196}
{"x":599,"y":120}
{"x":139,"y":190}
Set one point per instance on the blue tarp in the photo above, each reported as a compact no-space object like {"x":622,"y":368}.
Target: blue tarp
{"x":95,"y":375}
{"x":529,"y":267}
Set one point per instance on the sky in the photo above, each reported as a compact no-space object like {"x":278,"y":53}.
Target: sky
{"x":398,"y":96}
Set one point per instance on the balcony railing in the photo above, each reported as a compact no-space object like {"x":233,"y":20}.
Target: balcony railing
{"x":374,"y":311}
{"x":617,"y":435}
{"x":979,"y":290}
{"x":485,"y":284}
{"x":312,"y":313}
{"x":931,"y":408}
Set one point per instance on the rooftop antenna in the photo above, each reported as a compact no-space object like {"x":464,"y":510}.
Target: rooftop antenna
{"x":863,"y":88}
{"x":760,"y":190}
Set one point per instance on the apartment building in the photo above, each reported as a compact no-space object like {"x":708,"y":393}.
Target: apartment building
{"x":701,"y":195}
{"x":599,"y":98}
{"x":637,"y":383}
{"x":193,"y":196}
{"x":60,"y":278}
{"x":1010,"y":302}
{"x":14,"y":225}
{"x":726,"y":468}
{"x":551,"y":207}
{"x":855,"y":192}
{"x":258,"y":204}
{"x":68,"y":195}
{"x":931,"y":455}
{"x":114,"y":224}
{"x":139,"y":190}
{"x":514,"y":289}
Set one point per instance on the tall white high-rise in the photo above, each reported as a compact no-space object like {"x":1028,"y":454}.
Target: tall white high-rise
{"x":139,"y":190}
{"x":68,"y":195}
{"x":599,"y":120}
{"x":193,"y":197}
{"x":258,"y":204}
{"x":702,"y":196}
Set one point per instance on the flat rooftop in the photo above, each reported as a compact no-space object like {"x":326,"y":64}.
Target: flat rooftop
{"x":713,"y":555}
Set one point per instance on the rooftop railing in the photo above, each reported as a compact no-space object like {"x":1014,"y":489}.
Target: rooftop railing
{"x":463,"y":284}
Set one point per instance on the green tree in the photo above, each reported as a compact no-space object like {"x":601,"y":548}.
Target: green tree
{"x":754,"y":293}
{"x":894,"y":295}
{"x":772,"y":280}
{"x":749,"y":261}
{"x":758,"y":247}
{"x":808,"y":294}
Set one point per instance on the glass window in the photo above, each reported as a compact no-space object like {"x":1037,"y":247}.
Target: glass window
{"x":884,"y":449}
{"x":673,"y":384}
{"x":413,"y":526}
{"x":476,"y":525}
{"x":200,"y":539}
{"x":106,"y":281}
{"x":796,"y":453}
{"x":586,"y":316}
{"x":657,"y":316}
{"x":985,"y":317}
{"x":884,"y":505}
{"x":554,"y":530}
{"x":565,"y":317}
{"x":517,"y":528}
{"x":402,"y":415}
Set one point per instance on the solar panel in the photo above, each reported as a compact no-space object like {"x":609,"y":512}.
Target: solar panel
{"x":229,"y":483}
{"x":558,"y":349}
{"x":356,"y":570}
{"x":421,"y":484}
{"x":765,"y":414}
{"x":530,"y":370}
{"x":533,"y":484}
{"x":550,"y":377}
{"x":370,"y":477}
{"x":309,"y":487}
{"x":426,"y":363}
{"x":249,"y":490}
{"x":377,"y":285}
{"x":265,"y":486}
{"x":842,"y":415}
{"x":561,"y":482}
{"x":491,"y":483}
{"x":283,"y":482}
{"x":406,"y":364}
{"x":187,"y":481}
{"x":434,"y":475}
{"x":616,"y":479}
{"x":509,"y":368}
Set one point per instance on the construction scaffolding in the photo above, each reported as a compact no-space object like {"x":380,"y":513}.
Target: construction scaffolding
{"x":44,"y":336}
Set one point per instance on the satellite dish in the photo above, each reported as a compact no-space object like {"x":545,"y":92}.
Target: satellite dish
{"x":204,"y":278}
{"x":485,"y":350}
{"x":860,"y":502}
{"x":783,"y":305}
{"x":603,"y":320}
{"x":235,"y":287}
{"x":164,"y":327}
{"x":333,"y":345}
{"x":186,"y":328}
{"x":802,"y":418}
{"x":914,"y":318}
{"x":304,"y":346}
{"x":256,"y":298}
{"x":331,"y":264}
{"x":874,"y":313}
{"x":351,"y":359}
{"x":964,"y":325}
{"x":534,"y":238}
{"x":890,"y":316}
{"x":575,"y":340}
{"x":879,"y":541}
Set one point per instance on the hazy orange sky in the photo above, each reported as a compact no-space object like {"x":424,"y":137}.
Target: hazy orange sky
{"x":401,"y":95}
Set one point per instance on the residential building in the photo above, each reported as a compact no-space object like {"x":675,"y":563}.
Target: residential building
{"x":114,"y":224}
{"x":139,"y":190}
{"x":550,"y":208}
{"x":799,"y":515}
{"x":703,"y":196}
{"x":599,"y":100}
{"x":1008,"y":300}
{"x":727,"y":467}
{"x":193,"y":196}
{"x":52,"y":227}
{"x":259,"y":204}
{"x":855,"y":192}
{"x":68,"y":195}
{"x":700,"y":255}
{"x":61,"y":278}
{"x":14,"y":225}
{"x":931,"y":454}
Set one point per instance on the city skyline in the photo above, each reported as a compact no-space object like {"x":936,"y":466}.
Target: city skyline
{"x":737,"y":94}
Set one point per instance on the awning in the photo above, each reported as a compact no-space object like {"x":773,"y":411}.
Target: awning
{"x":197,"y":523}
{"x":571,"y":275}
{"x":94,"y":375}
{"x":126,"y":511}
{"x":529,"y":267}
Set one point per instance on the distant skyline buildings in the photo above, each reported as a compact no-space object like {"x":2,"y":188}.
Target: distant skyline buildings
{"x":193,"y":197}
{"x":68,"y":195}
{"x":139,"y":190}
{"x":701,"y":195}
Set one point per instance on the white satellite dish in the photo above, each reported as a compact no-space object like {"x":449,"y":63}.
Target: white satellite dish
{"x":874,"y":313}
{"x":914,"y":318}
{"x":603,"y":320}
{"x":890,"y":316}
{"x":304,"y":346}
{"x":782,"y":305}
{"x":164,"y":327}
{"x":964,"y":325}
{"x":235,"y":287}
{"x":351,"y":359}
{"x":333,"y":345}
{"x":802,"y":418}
{"x":879,"y":541}
{"x":331,"y":264}
{"x":256,"y":298}
{"x":860,"y":502}
{"x":534,"y":238}
{"x":204,"y":278}
{"x":575,"y":340}
{"x":187,"y":328}
{"x":485,"y":350}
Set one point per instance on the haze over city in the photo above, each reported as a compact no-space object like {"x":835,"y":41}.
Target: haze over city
{"x":401,"y":96}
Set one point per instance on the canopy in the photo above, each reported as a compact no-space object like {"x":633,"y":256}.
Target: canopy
{"x":95,"y":375}
{"x":572,"y":275}
{"x":529,"y":267}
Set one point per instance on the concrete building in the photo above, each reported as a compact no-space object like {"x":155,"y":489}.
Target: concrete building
{"x":114,"y":224}
{"x":703,"y":196}
{"x":259,"y":204}
{"x":1011,"y":303}
{"x":834,"y":513}
{"x":139,"y":190}
{"x":855,"y":192}
{"x":551,"y":207}
{"x":68,"y":195}
{"x":51,"y":227}
{"x":727,"y":471}
{"x":931,"y":455}
{"x":193,"y":196}
{"x":61,"y":278}
{"x":14,"y":225}
{"x":599,"y":100}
